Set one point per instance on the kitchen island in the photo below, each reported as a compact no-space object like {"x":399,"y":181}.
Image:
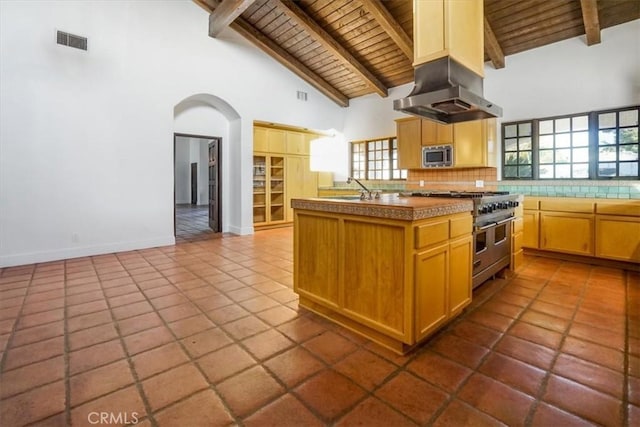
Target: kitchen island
{"x":394,"y":269}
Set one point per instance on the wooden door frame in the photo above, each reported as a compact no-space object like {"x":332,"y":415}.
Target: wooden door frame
{"x":177,"y":135}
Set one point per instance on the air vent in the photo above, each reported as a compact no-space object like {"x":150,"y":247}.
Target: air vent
{"x":302,"y":96}
{"x":72,"y":40}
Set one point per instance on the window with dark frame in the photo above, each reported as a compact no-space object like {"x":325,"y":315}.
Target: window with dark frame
{"x":595,"y":145}
{"x":617,"y":144}
{"x":518,"y":150}
{"x":376,"y":160}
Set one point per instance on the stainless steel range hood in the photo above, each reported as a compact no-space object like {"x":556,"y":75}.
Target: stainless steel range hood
{"x":447,"y":92}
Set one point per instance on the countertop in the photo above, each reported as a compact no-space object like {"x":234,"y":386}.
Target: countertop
{"x":390,"y":206}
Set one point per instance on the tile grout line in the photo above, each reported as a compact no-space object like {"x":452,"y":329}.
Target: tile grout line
{"x":138,"y":385}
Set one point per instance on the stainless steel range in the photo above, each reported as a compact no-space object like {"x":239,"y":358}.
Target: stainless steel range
{"x":492,"y":216}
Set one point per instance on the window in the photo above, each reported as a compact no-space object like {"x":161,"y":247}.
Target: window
{"x":517,"y":151}
{"x":376,"y":159}
{"x":618,"y":144}
{"x":563,"y":147}
{"x":597,"y":145}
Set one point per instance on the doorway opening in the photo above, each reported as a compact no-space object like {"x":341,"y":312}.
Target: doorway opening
{"x":197,"y":186}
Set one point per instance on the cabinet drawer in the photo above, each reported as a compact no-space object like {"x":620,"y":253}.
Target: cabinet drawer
{"x":627,"y":208}
{"x":531,"y":203}
{"x":461,"y":227}
{"x":431,"y":234}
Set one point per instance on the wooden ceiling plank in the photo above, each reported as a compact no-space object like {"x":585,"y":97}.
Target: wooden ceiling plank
{"x":534,"y":17}
{"x":316,"y":31}
{"x":492,"y":47}
{"x":225,"y":13}
{"x":534,"y":26}
{"x":591,"y":22}
{"x":283,"y":57}
{"x":390,"y":25}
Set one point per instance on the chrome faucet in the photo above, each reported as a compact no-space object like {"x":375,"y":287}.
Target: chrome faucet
{"x":365,"y":194}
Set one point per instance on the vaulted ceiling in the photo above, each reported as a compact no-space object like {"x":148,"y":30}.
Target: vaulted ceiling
{"x":350,"y":48}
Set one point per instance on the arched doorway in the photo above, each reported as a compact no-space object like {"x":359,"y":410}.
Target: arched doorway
{"x":206,"y":114}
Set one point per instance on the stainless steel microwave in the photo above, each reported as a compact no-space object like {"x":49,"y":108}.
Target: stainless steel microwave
{"x":437,"y":156}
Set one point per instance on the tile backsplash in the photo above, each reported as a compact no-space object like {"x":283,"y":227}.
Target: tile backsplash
{"x":574,"y":188}
{"x":465,"y":180}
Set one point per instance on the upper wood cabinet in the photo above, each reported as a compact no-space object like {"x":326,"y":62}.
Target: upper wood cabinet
{"x":267,"y":140}
{"x":434,"y":133}
{"x":474,"y":143}
{"x":449,"y":28}
{"x":409,"y":133}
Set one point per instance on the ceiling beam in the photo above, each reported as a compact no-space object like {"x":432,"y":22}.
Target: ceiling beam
{"x":591,"y":21}
{"x":492,"y":47}
{"x":389,"y":24}
{"x":225,"y":14}
{"x":304,"y":21}
{"x":282,"y":56}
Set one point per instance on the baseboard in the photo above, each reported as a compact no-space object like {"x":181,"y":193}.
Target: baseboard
{"x":623,"y":265}
{"x":242,"y":231}
{"x":67,"y":253}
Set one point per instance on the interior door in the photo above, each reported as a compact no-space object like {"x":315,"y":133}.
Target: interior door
{"x":194,"y":183}
{"x":214,"y":185}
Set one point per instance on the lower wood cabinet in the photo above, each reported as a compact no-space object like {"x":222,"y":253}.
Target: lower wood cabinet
{"x":618,"y":237}
{"x":460,"y":264}
{"x":432,"y":278}
{"x":517,"y":237}
{"x":608,"y":229}
{"x":567,"y":232}
{"x":531,"y":237}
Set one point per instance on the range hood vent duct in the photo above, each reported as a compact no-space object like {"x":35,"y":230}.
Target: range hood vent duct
{"x":447,"y":92}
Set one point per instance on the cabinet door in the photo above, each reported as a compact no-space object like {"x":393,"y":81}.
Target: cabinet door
{"x":295,"y":143}
{"x":260,"y":139}
{"x":294,"y":182}
{"x":618,"y":237}
{"x":461,"y":259}
{"x":469,"y":147}
{"x":434,"y":133}
{"x":277,"y":140}
{"x":409,"y":144}
{"x":567,"y":232}
{"x":432,"y":274}
{"x":531,"y":229}
{"x":309,"y":179}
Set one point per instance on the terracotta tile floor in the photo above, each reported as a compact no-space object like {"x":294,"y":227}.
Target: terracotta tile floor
{"x":209,"y":333}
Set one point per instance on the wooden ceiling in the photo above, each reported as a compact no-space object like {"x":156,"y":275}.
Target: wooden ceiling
{"x":350,"y":48}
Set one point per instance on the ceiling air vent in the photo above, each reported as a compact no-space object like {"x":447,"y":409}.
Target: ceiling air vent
{"x":71,"y":40}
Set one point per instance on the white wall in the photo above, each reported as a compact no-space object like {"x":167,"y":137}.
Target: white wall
{"x":182,"y":172}
{"x":191,"y":150}
{"x":569,"y":76}
{"x":86,"y":140}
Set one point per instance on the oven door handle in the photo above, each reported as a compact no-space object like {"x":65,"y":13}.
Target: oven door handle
{"x":504,"y":220}
{"x":484,"y":227}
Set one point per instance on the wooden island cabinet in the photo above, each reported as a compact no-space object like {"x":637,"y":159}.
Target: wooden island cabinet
{"x":394,"y":270}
